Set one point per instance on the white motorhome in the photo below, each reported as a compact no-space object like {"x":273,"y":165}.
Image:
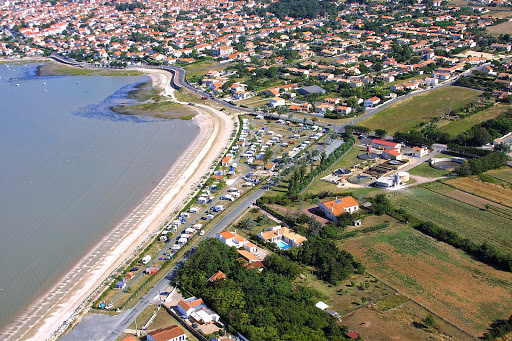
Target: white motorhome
{"x":145,"y":260}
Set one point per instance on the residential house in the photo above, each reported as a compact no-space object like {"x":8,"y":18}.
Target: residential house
{"x":171,"y":333}
{"x":195,"y":308}
{"x":279,"y":234}
{"x":277,"y":101}
{"x":343,"y":110}
{"x":371,"y":102}
{"x":233,"y":239}
{"x":334,"y":208}
{"x":303,"y":107}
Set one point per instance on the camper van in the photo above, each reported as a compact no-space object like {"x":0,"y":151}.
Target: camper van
{"x":145,"y":260}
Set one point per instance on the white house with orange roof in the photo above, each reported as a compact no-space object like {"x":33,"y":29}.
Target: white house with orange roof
{"x":334,"y":208}
{"x":278,"y":235}
{"x":233,"y":239}
{"x":195,"y":308}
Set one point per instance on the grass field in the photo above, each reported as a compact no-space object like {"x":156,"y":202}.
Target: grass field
{"x":504,"y":174}
{"x":502,"y":28}
{"x":424,"y":270}
{"x":468,"y":221}
{"x":456,"y":127}
{"x":483,"y":189}
{"x":427,"y":171}
{"x":408,"y":113}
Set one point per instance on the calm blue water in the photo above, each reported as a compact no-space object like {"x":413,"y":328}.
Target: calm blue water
{"x":70,"y":170}
{"x":282,"y":245}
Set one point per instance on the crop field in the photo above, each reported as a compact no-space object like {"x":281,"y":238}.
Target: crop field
{"x":408,"y":113}
{"x":482,"y":189}
{"x":423,"y":269}
{"x":459,"y":126}
{"x":504,"y":174}
{"x":468,"y":221}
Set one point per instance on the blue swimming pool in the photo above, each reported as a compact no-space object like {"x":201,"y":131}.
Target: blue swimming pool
{"x":283,"y":245}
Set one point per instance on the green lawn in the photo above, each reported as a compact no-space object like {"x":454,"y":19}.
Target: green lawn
{"x":408,"y":113}
{"x":427,"y":171}
{"x":456,"y":127}
{"x":470,"y":222}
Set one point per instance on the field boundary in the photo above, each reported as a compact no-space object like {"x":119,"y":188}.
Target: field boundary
{"x":494,"y":209}
{"x":476,"y":195}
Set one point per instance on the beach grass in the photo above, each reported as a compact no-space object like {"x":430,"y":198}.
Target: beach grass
{"x":53,"y":69}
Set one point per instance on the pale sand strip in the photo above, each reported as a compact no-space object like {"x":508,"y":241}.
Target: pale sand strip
{"x":70,"y":294}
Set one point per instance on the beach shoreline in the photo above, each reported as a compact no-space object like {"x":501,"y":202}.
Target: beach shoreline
{"x":60,"y":306}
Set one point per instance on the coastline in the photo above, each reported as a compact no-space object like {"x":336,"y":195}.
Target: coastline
{"x":57,"y":308}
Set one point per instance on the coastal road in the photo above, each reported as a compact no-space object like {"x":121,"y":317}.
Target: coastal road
{"x":106,"y":328}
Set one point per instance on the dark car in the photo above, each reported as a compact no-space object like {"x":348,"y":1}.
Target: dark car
{"x":134,"y":269}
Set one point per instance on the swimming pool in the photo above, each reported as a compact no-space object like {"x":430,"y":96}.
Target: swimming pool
{"x":282,"y":245}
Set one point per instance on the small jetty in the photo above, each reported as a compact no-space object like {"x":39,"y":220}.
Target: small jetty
{"x":16,"y":79}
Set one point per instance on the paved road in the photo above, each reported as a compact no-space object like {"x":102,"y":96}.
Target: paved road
{"x":105,"y":327}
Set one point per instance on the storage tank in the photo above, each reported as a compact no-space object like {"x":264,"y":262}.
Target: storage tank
{"x":404,"y":176}
{"x":397,"y":180}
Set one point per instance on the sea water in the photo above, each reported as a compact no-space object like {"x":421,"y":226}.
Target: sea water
{"x":70,"y":170}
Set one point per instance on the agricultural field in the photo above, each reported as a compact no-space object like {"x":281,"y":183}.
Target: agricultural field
{"x":459,"y":126}
{"x":423,"y":269}
{"x":504,"y":174}
{"x":408,"y":113}
{"x":467,"y":220}
{"x":486,"y":190}
{"x":502,"y":28}
{"x":400,"y":323}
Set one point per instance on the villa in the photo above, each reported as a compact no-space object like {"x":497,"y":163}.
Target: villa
{"x":233,"y":239}
{"x":334,"y":208}
{"x":282,"y":237}
{"x":195,"y":308}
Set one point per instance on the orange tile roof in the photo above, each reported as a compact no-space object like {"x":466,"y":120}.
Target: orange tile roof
{"x":338,"y":206}
{"x":165,"y":334}
{"x":218,"y":276}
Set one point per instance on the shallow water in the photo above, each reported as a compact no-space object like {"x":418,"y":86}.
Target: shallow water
{"x":70,"y":170}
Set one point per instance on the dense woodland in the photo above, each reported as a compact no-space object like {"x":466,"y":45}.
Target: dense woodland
{"x":301,"y":9}
{"x":261,"y":306}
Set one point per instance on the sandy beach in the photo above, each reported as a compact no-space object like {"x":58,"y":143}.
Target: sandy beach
{"x":50,"y":314}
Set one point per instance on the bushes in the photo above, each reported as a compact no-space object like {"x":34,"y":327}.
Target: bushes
{"x":262,"y":306}
{"x":332,"y":264}
{"x":475,"y":166}
{"x":485,"y":252}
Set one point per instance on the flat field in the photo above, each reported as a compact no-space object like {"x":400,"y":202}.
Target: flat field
{"x":424,"y":270}
{"x":482,"y":189}
{"x":468,"y":221}
{"x":502,"y":28}
{"x":408,"y":113}
{"x":504,"y":174}
{"x":427,"y":171}
{"x":456,"y":127}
